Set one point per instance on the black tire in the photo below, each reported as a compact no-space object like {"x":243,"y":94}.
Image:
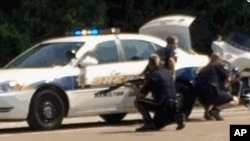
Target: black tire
{"x":187,"y":96}
{"x":46,"y":111}
{"x":247,"y":104}
{"x":113,"y":118}
{"x":245,"y":96}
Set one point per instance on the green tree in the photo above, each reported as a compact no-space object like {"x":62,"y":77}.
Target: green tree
{"x":12,"y":41}
{"x":47,"y":18}
{"x":31,"y":21}
{"x":25,"y":22}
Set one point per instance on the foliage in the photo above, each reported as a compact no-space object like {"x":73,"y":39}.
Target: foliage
{"x":212,"y":17}
{"x":26,"y":22}
{"x":32,"y":21}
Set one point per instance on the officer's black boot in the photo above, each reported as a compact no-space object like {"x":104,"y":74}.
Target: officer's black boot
{"x":148,"y":122}
{"x":207,"y":114}
{"x":180,"y":126}
{"x":146,"y":127}
{"x":215,"y":113}
{"x":162,"y":119}
{"x":180,"y":121}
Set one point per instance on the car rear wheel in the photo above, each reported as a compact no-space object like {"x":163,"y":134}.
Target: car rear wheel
{"x":247,"y":104}
{"x":113,"y":118}
{"x":187,"y":97}
{"x":46,"y":111}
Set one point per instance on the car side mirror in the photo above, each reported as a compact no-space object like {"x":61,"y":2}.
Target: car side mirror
{"x":88,"y":61}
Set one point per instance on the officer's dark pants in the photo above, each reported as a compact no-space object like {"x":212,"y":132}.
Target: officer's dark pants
{"x":163,"y":114}
{"x":211,"y":95}
{"x":179,"y":112}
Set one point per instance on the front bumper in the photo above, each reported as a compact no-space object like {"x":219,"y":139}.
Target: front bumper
{"x":15,"y":105}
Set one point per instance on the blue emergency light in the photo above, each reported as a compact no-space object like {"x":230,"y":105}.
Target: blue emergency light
{"x":78,"y":32}
{"x":94,"y":31}
{"x":81,"y":32}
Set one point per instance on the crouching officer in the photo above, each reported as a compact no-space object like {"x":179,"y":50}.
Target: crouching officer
{"x":160,"y":83}
{"x":210,"y":86}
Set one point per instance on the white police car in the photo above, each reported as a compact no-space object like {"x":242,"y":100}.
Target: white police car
{"x":59,"y":78}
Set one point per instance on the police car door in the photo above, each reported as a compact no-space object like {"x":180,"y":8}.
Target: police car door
{"x":101,"y":76}
{"x":135,"y":54}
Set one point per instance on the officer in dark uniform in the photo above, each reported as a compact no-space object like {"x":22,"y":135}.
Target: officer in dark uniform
{"x":160,"y":83}
{"x":168,"y":55}
{"x":210,"y":86}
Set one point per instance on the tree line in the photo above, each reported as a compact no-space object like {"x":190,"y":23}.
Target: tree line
{"x":26,"y":22}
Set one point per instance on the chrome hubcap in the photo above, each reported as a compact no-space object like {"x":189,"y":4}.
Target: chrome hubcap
{"x":48,"y":110}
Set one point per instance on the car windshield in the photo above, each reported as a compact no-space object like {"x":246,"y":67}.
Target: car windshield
{"x":45,"y":55}
{"x":239,"y":40}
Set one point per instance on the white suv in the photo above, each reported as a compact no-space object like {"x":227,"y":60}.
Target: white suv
{"x":59,"y":78}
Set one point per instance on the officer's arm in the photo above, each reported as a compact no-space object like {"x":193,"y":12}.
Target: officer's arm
{"x":143,"y":92}
{"x":171,"y":64}
{"x":146,"y":88}
{"x":223,"y":73}
{"x":144,"y":71}
{"x":135,"y":89}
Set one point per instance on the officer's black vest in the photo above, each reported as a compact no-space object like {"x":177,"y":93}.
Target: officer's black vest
{"x":164,"y":54}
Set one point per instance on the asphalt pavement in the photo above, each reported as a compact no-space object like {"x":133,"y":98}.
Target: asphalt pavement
{"x":94,"y":128}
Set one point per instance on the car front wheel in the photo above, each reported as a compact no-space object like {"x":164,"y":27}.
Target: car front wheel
{"x":46,"y":110}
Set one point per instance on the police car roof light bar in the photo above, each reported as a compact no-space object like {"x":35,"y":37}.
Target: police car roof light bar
{"x":95,"y":31}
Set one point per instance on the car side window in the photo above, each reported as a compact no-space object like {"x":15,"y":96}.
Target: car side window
{"x":106,"y":52}
{"x":158,"y":46}
{"x":136,"y":49}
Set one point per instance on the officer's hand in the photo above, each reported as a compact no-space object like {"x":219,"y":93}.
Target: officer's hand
{"x":130,"y":85}
{"x":140,"y":95}
{"x":140,"y":77}
{"x":231,"y":78}
{"x":174,"y":77}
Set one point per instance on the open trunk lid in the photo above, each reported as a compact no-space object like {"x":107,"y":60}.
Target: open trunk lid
{"x":165,"y":26}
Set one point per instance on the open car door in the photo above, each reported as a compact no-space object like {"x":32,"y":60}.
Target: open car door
{"x":165,"y":26}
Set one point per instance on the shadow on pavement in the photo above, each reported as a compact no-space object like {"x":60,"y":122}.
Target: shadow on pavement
{"x":85,"y":125}
{"x":70,"y":126}
{"x":195,"y":120}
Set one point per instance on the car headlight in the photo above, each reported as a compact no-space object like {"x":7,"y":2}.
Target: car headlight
{"x":10,"y":86}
